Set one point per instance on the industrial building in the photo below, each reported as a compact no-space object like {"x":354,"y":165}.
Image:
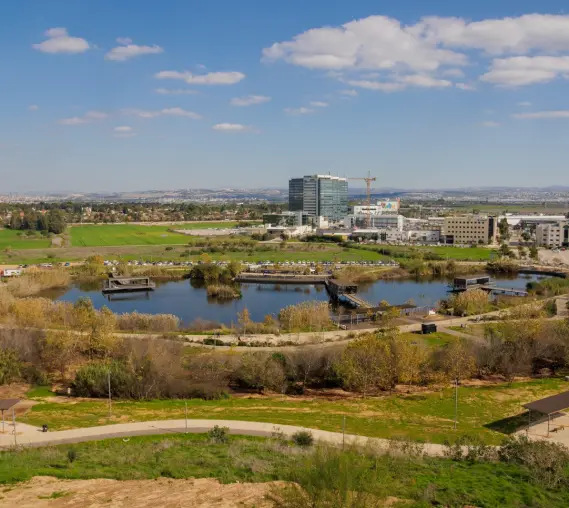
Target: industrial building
{"x":319,"y":196}
{"x":553,"y":235}
{"x":469,"y":229}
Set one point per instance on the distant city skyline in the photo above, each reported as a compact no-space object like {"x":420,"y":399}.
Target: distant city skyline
{"x":132,"y":95}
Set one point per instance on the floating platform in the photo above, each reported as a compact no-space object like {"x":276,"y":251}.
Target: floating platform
{"x":284,"y":278}
{"x":127,"y":285}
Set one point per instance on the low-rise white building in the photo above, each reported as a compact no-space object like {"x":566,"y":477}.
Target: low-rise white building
{"x":423,"y":235}
{"x":553,"y":235}
{"x":383,"y":221}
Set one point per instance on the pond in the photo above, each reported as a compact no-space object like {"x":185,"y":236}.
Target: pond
{"x":191,"y":303}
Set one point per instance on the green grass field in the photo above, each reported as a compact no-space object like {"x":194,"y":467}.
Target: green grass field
{"x":124,"y":234}
{"x":323,"y":473}
{"x":432,"y":340}
{"x":445,"y":252}
{"x":487,"y":412}
{"x":17,"y":240}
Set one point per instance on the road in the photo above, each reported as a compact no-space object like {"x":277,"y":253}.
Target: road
{"x":28,"y":435}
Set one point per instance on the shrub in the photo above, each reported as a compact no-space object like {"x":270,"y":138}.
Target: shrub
{"x":303,"y":438}
{"x":71,"y":455}
{"x":222,"y":291}
{"x":546,"y":462}
{"x":160,"y":323}
{"x":311,"y":314}
{"x":10,"y":366}
{"x":218,"y":435}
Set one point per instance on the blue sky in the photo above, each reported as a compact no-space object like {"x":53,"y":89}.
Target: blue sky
{"x":140,"y":94}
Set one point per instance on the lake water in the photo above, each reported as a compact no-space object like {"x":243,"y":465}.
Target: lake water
{"x":190,"y":303}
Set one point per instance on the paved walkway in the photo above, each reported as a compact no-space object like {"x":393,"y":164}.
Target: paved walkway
{"x":32,"y":436}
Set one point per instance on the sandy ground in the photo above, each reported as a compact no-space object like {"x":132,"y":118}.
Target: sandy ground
{"x":549,"y":257}
{"x":43,"y":491}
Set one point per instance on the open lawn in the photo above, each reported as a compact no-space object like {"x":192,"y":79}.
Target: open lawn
{"x":18,"y":240}
{"x":484,"y":411}
{"x":124,"y":234}
{"x":148,"y":252}
{"x":445,"y":252}
{"x":323,"y":473}
{"x":432,"y":340}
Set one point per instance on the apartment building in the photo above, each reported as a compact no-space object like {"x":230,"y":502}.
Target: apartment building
{"x":553,"y":235}
{"x":469,"y":229}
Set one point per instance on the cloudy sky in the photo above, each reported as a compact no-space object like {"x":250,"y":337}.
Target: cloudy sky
{"x":140,"y":94}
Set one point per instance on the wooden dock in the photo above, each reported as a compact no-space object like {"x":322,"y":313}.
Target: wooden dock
{"x":282,"y":278}
{"x":127,"y":284}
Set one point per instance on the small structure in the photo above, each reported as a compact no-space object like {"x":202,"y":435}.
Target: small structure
{"x":6,"y":405}
{"x":427,"y":328}
{"x":555,"y":406}
{"x":464,"y":284}
{"x":337,"y":287}
{"x":126,"y":284}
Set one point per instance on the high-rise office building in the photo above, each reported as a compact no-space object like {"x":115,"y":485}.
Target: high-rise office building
{"x":322,"y":196}
{"x":295,"y":194}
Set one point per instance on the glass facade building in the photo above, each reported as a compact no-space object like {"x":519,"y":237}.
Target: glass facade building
{"x":296,"y":194}
{"x":322,"y":196}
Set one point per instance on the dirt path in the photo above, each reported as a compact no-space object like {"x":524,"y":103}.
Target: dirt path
{"x":43,"y":491}
{"x":26,"y":435}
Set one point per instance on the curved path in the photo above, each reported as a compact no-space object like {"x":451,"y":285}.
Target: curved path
{"x":26,"y":435}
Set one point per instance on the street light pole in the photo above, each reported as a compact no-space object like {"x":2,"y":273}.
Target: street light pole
{"x":110,"y":399}
{"x":456,"y":403}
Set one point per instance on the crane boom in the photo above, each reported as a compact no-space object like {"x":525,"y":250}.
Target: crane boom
{"x":368,"y":181}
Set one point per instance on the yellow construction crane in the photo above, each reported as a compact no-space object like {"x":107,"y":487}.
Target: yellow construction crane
{"x":368,"y":181}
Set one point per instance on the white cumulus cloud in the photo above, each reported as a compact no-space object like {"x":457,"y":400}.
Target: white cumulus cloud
{"x":298,"y":111}
{"x":211,"y":78}
{"x":530,"y":50}
{"x":542,"y":114}
{"x":490,"y":124}
{"x":123,"y":128}
{"x":59,"y":41}
{"x":178,"y":91}
{"x":128,"y":50}
{"x":349,"y":93}
{"x":141,"y":113}
{"x":231,"y":127}
{"x":465,"y":86}
{"x":319,"y":104}
{"x":526,"y":70}
{"x":89,"y":117}
{"x":250,"y":100}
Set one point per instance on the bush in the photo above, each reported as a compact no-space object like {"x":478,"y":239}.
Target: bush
{"x":303,"y":438}
{"x":546,"y":462}
{"x":218,"y":435}
{"x":10,"y":366}
{"x":222,"y":291}
{"x":71,"y":455}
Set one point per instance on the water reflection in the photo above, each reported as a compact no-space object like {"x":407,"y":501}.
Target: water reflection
{"x":189,"y":301}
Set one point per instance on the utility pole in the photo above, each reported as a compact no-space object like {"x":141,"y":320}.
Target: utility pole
{"x":110,"y":399}
{"x":14,"y":424}
{"x":456,"y":404}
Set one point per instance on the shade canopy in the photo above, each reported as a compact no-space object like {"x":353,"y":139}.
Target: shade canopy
{"x":550,"y":405}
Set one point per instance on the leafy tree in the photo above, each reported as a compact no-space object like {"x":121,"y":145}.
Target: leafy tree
{"x":504,"y":229}
{"x":367,"y":364}
{"x":56,"y":221}
{"x":10,"y":366}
